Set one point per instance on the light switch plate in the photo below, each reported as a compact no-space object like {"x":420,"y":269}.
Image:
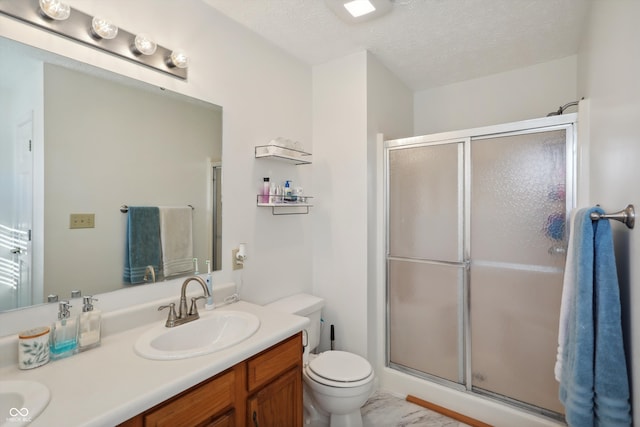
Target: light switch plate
{"x":85,"y":220}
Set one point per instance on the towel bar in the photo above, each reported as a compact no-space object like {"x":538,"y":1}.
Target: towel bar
{"x":626,"y":216}
{"x":125,"y":208}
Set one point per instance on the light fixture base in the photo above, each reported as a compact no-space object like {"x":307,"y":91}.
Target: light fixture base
{"x":78,"y":27}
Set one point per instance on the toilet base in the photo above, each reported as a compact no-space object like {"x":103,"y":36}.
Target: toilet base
{"x":313,"y":415}
{"x":353,"y":419}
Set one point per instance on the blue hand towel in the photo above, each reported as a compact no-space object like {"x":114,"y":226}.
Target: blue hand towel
{"x":143,"y":242}
{"x":594,"y":385}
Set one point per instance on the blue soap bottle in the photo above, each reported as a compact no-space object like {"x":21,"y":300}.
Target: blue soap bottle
{"x":63,"y":340}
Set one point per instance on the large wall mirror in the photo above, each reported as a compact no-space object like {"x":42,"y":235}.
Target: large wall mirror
{"x":75,"y":139}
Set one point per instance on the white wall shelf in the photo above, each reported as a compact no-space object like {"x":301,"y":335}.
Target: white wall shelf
{"x":286,"y":208}
{"x":285,"y":154}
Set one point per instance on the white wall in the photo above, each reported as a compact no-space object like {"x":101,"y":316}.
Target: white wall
{"x":389,"y":116}
{"x":264,"y":93}
{"x":525,"y":93}
{"x":354,"y":99}
{"x":609,"y":77}
{"x":340,"y":183}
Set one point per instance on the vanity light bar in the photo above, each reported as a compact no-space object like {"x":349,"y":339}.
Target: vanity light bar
{"x":79,"y":26}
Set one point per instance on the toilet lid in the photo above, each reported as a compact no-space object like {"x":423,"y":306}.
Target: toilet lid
{"x":340,"y":366}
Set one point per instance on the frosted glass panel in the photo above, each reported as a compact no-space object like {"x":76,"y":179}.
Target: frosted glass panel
{"x":514,"y":334}
{"x":423,"y":316}
{"x":518,"y":202}
{"x":424,"y":202}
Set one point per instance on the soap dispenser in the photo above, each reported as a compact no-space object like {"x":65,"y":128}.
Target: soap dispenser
{"x":64,"y":333}
{"x":90,"y":322}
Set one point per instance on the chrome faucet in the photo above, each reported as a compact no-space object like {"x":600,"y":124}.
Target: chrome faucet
{"x":183,"y":316}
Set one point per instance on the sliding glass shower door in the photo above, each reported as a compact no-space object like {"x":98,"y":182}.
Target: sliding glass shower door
{"x":426,"y":260}
{"x":475,"y":255}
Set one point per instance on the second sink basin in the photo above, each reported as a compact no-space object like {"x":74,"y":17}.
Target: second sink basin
{"x":21,"y":401}
{"x":213,"y":331}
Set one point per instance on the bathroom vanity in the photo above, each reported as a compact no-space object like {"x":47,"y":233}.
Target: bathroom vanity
{"x":112,"y":385}
{"x":265,"y":390}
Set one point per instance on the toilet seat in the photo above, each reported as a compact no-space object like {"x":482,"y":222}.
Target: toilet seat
{"x":340,"y":369}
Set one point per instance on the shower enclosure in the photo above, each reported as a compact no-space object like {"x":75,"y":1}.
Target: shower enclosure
{"x":475,"y":249}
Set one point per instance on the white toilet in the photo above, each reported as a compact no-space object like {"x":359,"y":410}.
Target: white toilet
{"x":336,"y":383}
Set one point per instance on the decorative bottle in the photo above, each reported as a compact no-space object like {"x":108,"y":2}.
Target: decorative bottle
{"x":90,"y":324}
{"x":266,"y":187}
{"x":63,"y":339}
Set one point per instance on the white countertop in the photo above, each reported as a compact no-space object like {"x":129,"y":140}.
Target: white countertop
{"x":110,"y":384}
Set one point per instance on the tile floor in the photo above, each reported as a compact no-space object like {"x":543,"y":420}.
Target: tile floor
{"x":387,"y":410}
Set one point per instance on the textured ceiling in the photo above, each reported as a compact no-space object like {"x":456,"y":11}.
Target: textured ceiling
{"x":426,"y":43}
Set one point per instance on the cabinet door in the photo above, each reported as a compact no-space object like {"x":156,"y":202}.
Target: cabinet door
{"x":279,"y":403}
{"x":269,"y":364}
{"x":226,"y":420}
{"x":196,"y":407}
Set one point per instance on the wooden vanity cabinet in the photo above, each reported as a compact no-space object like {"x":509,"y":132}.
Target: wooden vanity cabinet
{"x":274,"y":385}
{"x":264,"y":390}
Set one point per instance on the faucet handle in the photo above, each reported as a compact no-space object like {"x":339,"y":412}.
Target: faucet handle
{"x":193,"y":310}
{"x":171,"y":319}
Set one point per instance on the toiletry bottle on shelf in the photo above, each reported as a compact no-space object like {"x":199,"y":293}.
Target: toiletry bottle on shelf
{"x":209,"y":305}
{"x":63,"y":339}
{"x":266,"y":187}
{"x":90,"y":323}
{"x":273,"y":194}
{"x":288,"y":193}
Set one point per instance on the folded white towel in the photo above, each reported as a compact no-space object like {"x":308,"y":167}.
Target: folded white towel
{"x":176,"y":236}
{"x":568,"y":292}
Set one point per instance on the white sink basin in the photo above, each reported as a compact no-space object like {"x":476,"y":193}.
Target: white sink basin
{"x":21,"y":401}
{"x":213,"y":331}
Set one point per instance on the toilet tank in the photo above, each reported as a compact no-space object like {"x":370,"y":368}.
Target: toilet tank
{"x":304,"y":305}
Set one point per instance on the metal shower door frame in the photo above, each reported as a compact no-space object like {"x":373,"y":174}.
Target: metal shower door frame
{"x":465,"y":138}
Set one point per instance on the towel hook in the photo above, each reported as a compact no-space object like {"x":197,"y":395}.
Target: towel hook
{"x":626,"y":216}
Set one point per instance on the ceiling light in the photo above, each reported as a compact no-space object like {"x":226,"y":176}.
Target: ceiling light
{"x":103,"y":29}
{"x":359,"y":8}
{"x":357,"y":11}
{"x":55,"y":9}
{"x":178,"y":59}
{"x":144,"y":45}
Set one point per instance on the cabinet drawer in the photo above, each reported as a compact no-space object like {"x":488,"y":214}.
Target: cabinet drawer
{"x":196,"y":405}
{"x":273,"y":362}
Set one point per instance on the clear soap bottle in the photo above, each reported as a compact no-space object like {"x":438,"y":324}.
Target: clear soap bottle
{"x":90,"y":322}
{"x":63,"y":339}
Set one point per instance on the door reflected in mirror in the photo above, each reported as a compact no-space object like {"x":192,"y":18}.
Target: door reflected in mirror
{"x":75,"y":139}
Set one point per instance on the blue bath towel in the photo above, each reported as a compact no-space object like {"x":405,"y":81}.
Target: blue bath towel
{"x":594,"y":386}
{"x":142,"y":247}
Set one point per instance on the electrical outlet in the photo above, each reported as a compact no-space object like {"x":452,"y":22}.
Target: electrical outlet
{"x":234,"y":261}
{"x":82,"y":220}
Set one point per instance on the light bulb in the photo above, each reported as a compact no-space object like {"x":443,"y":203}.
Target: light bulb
{"x":103,"y":29}
{"x":55,"y":9}
{"x":179,"y":59}
{"x":359,"y":8}
{"x":144,"y":45}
